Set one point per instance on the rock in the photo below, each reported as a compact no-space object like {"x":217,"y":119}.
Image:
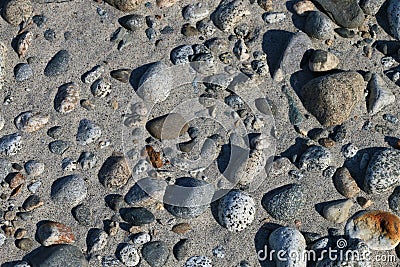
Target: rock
{"x":17,"y":11}
{"x":321,"y":60}
{"x":141,"y":238}
{"x":129,"y":255}
{"x":382,"y":174}
{"x":87,"y":160}
{"x":236,"y":210}
{"x":88,"y":132}
{"x":181,"y":54}
{"x":378,"y":229}
{"x":96,"y":240}
{"x":3,"y":55}
{"x":114,"y":201}
{"x":121,"y":75}
{"x":285,"y":203}
{"x":181,"y":228}
{"x":168,"y":126}
{"x":10,"y":144}
{"x":380,"y":95}
{"x":132,"y":22}
{"x":346,"y":13}
{"x":195,"y":12}
{"x":23,"y":72}
{"x":137,"y":216}
{"x":274,"y":17}
{"x":100,"y":88}
{"x":181,"y":249}
{"x":125,"y":5}
{"x":332,"y":98}
{"x":315,"y":158}
{"x":345,"y":183}
{"x":318,"y":26}
{"x":31,"y":122}
{"x":93,"y":74}
{"x":165,"y":3}
{"x":83,"y":214}
{"x":57,"y":255}
{"x":295,"y":49}
{"x":58,"y":147}
{"x":287,"y":240}
{"x":58,"y":64}
{"x":155,"y":253}
{"x":146,"y":191}
{"x":337,"y":211}
{"x":115,"y":172}
{"x":67,"y":98}
{"x":34,"y":168}
{"x":15,"y":179}
{"x":303,"y":7}
{"x":54,"y":233}
{"x":188,"y":197}
{"x":241,"y":50}
{"x":349,"y":150}
{"x":229,"y":13}
{"x":69,"y":190}
{"x":25,"y":244}
{"x":32,"y":202}
{"x":371,"y":7}
{"x":394,"y":200}
{"x":198,"y":261}
{"x":156,"y":83}
{"x":345,"y":33}
{"x":393,"y":12}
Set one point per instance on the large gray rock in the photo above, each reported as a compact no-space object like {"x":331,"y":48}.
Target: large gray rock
{"x":229,"y":14}
{"x":56,"y":256}
{"x":394,"y":18}
{"x":346,"y":13}
{"x":69,"y":190}
{"x":380,"y":95}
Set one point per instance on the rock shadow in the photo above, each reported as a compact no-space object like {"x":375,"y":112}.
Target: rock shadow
{"x":274,"y":43}
{"x":261,"y":244}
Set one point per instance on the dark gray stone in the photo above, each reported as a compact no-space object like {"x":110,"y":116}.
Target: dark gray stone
{"x":155,"y":253}
{"x":58,"y":64}
{"x":137,"y":216}
{"x":56,"y":256}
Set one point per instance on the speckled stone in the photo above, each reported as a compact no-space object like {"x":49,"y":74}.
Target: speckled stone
{"x":69,"y":190}
{"x":285,"y":203}
{"x":129,"y":255}
{"x":236,"y":211}
{"x":318,"y":26}
{"x":30,"y":122}
{"x":382,"y":172}
{"x":96,"y":240}
{"x":83,"y":214}
{"x":10,"y":144}
{"x":229,"y":13}
{"x":155,"y":253}
{"x":379,"y":229}
{"x":5,"y":168}
{"x":115,"y":172}
{"x":58,"y":64}
{"x":17,"y":11}
{"x":58,"y":147}
{"x":337,"y":211}
{"x":315,"y":158}
{"x":88,"y":132}
{"x":67,"y":98}
{"x":181,"y":54}
{"x":198,"y":261}
{"x":23,"y":72}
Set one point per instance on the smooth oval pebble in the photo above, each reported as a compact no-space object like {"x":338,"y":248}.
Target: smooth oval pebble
{"x":57,"y":255}
{"x":52,"y":233}
{"x":137,"y":216}
{"x":67,"y":98}
{"x":17,"y":11}
{"x":31,"y":122}
{"x":58,"y":64}
{"x":101,"y":88}
{"x":379,"y":229}
{"x":69,"y":190}
{"x":168,"y":126}
{"x":236,"y":211}
{"x":115,"y":172}
{"x":345,"y":183}
{"x":10,"y":144}
{"x":125,"y":5}
{"x":318,"y":25}
{"x":155,"y":253}
{"x":23,"y":72}
{"x":131,"y":22}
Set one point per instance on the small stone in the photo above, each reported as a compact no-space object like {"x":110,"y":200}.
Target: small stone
{"x":345,"y":183}
{"x":274,"y":17}
{"x":125,"y":5}
{"x":345,"y":33}
{"x":393,"y":12}
{"x":16,"y":179}
{"x":318,"y":26}
{"x":380,"y":95}
{"x":31,"y":122}
{"x":39,"y":20}
{"x":52,"y":233}
{"x":9,"y":215}
{"x":58,"y":147}
{"x":382,"y":174}
{"x":169,"y":126}
{"x":241,"y":50}
{"x":132,"y":22}
{"x":349,"y":151}
{"x":25,"y":244}
{"x":236,"y":211}
{"x":364,"y":203}
{"x":121,"y":75}
{"x":303,"y":7}
{"x":195,"y":12}
{"x":110,"y":261}
{"x":96,"y":240}
{"x":267,"y":5}
{"x":338,"y":211}
{"x":229,"y":13}
{"x":167,"y":30}
{"x":87,"y":160}
{"x":181,"y":249}
{"x":390,"y":118}
{"x":285,"y":203}
{"x":101,"y":88}
{"x":315,"y":158}
{"x":34,"y":168}
{"x":129,"y":255}
{"x":146,"y":191}
{"x":69,"y":190}
{"x":181,"y":228}
{"x":115,"y":172}
{"x":114,"y":201}
{"x":82,"y":214}
{"x":155,"y":253}
{"x":88,"y":132}
{"x":49,"y":35}
{"x":141,"y":238}
{"x":137,"y":216}
{"x":67,"y":98}
{"x":10,"y":144}
{"x":189,"y":30}
{"x":219,"y":252}
{"x":347,"y":14}
{"x":16,"y":11}
{"x":198,"y":261}
{"x":376,"y":228}
{"x":57,"y":255}
{"x":93,"y":74}
{"x":206,"y":27}
{"x":23,"y":72}
{"x":58,"y":64}
{"x":321,"y":60}
{"x":19,"y":233}
{"x":181,"y":54}
{"x":32,"y":202}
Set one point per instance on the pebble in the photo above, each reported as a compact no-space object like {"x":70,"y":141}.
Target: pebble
{"x":125,"y":5}
{"x":96,"y":240}
{"x":349,"y":151}
{"x":115,"y":172}
{"x":318,"y":26}
{"x":83,"y":214}
{"x":168,"y":126}
{"x":198,"y":261}
{"x":378,"y":229}
{"x":137,"y":216}
{"x":5,"y":168}
{"x":34,"y":187}
{"x":67,"y":98}
{"x":347,"y":14}
{"x":345,"y":183}
{"x":393,"y":12}
{"x":109,"y":261}
{"x":17,"y":11}
{"x":274,"y":17}
{"x":87,"y":160}
{"x":145,"y":191}
{"x":206,"y":27}
{"x":181,"y":54}
{"x":31,"y":122}
{"x":345,"y":33}
{"x":315,"y":158}
{"x":241,"y":50}
{"x":114,"y":201}
{"x":101,"y":88}
{"x":181,"y":228}
{"x":34,"y":168}
{"x":337,"y":211}
{"x":390,"y":118}
{"x":380,"y":96}
{"x":290,"y":241}
{"x":58,"y":64}
{"x":267,"y":5}
{"x":219,"y":252}
{"x":394,"y":200}
{"x":58,"y":255}
{"x":167,"y":30}
{"x":121,"y":75}
{"x":236,"y":211}
{"x":93,"y":74}
{"x":58,"y":147}
{"x":156,"y":83}
{"x":381,"y":174}
{"x":129,"y":255}
{"x":69,"y":190}
{"x":181,"y":249}
{"x":141,"y":238}
{"x":23,"y":72}
{"x":303,"y":7}
{"x":25,"y":244}
{"x":88,"y":132}
{"x":39,"y":20}
{"x":52,"y":233}
{"x":229,"y":13}
{"x":332,"y":98}
{"x":155,"y":253}
{"x":371,"y":7}
{"x":32,"y":202}
{"x":195,"y":12}
{"x":49,"y":35}
{"x":132,"y":22}
{"x":10,"y":144}
{"x":321,"y":60}
{"x":285,"y":203}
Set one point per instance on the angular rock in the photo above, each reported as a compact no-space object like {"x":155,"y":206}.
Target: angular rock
{"x":168,"y":126}
{"x":346,"y":13}
{"x":96,"y":240}
{"x":321,"y":60}
{"x":88,"y":132}
{"x":380,"y":95}
{"x":318,"y":26}
{"x":393,"y":12}
{"x":69,"y":190}
{"x":338,"y":211}
{"x":57,"y":255}
{"x":67,"y":98}
{"x":93,"y":74}
{"x":155,"y":253}
{"x":58,"y":64}
{"x":332,"y":98}
{"x":115,"y":172}
{"x":229,"y":14}
{"x":379,"y":229}
{"x":345,"y":183}
{"x":121,"y":75}
{"x":54,"y":233}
